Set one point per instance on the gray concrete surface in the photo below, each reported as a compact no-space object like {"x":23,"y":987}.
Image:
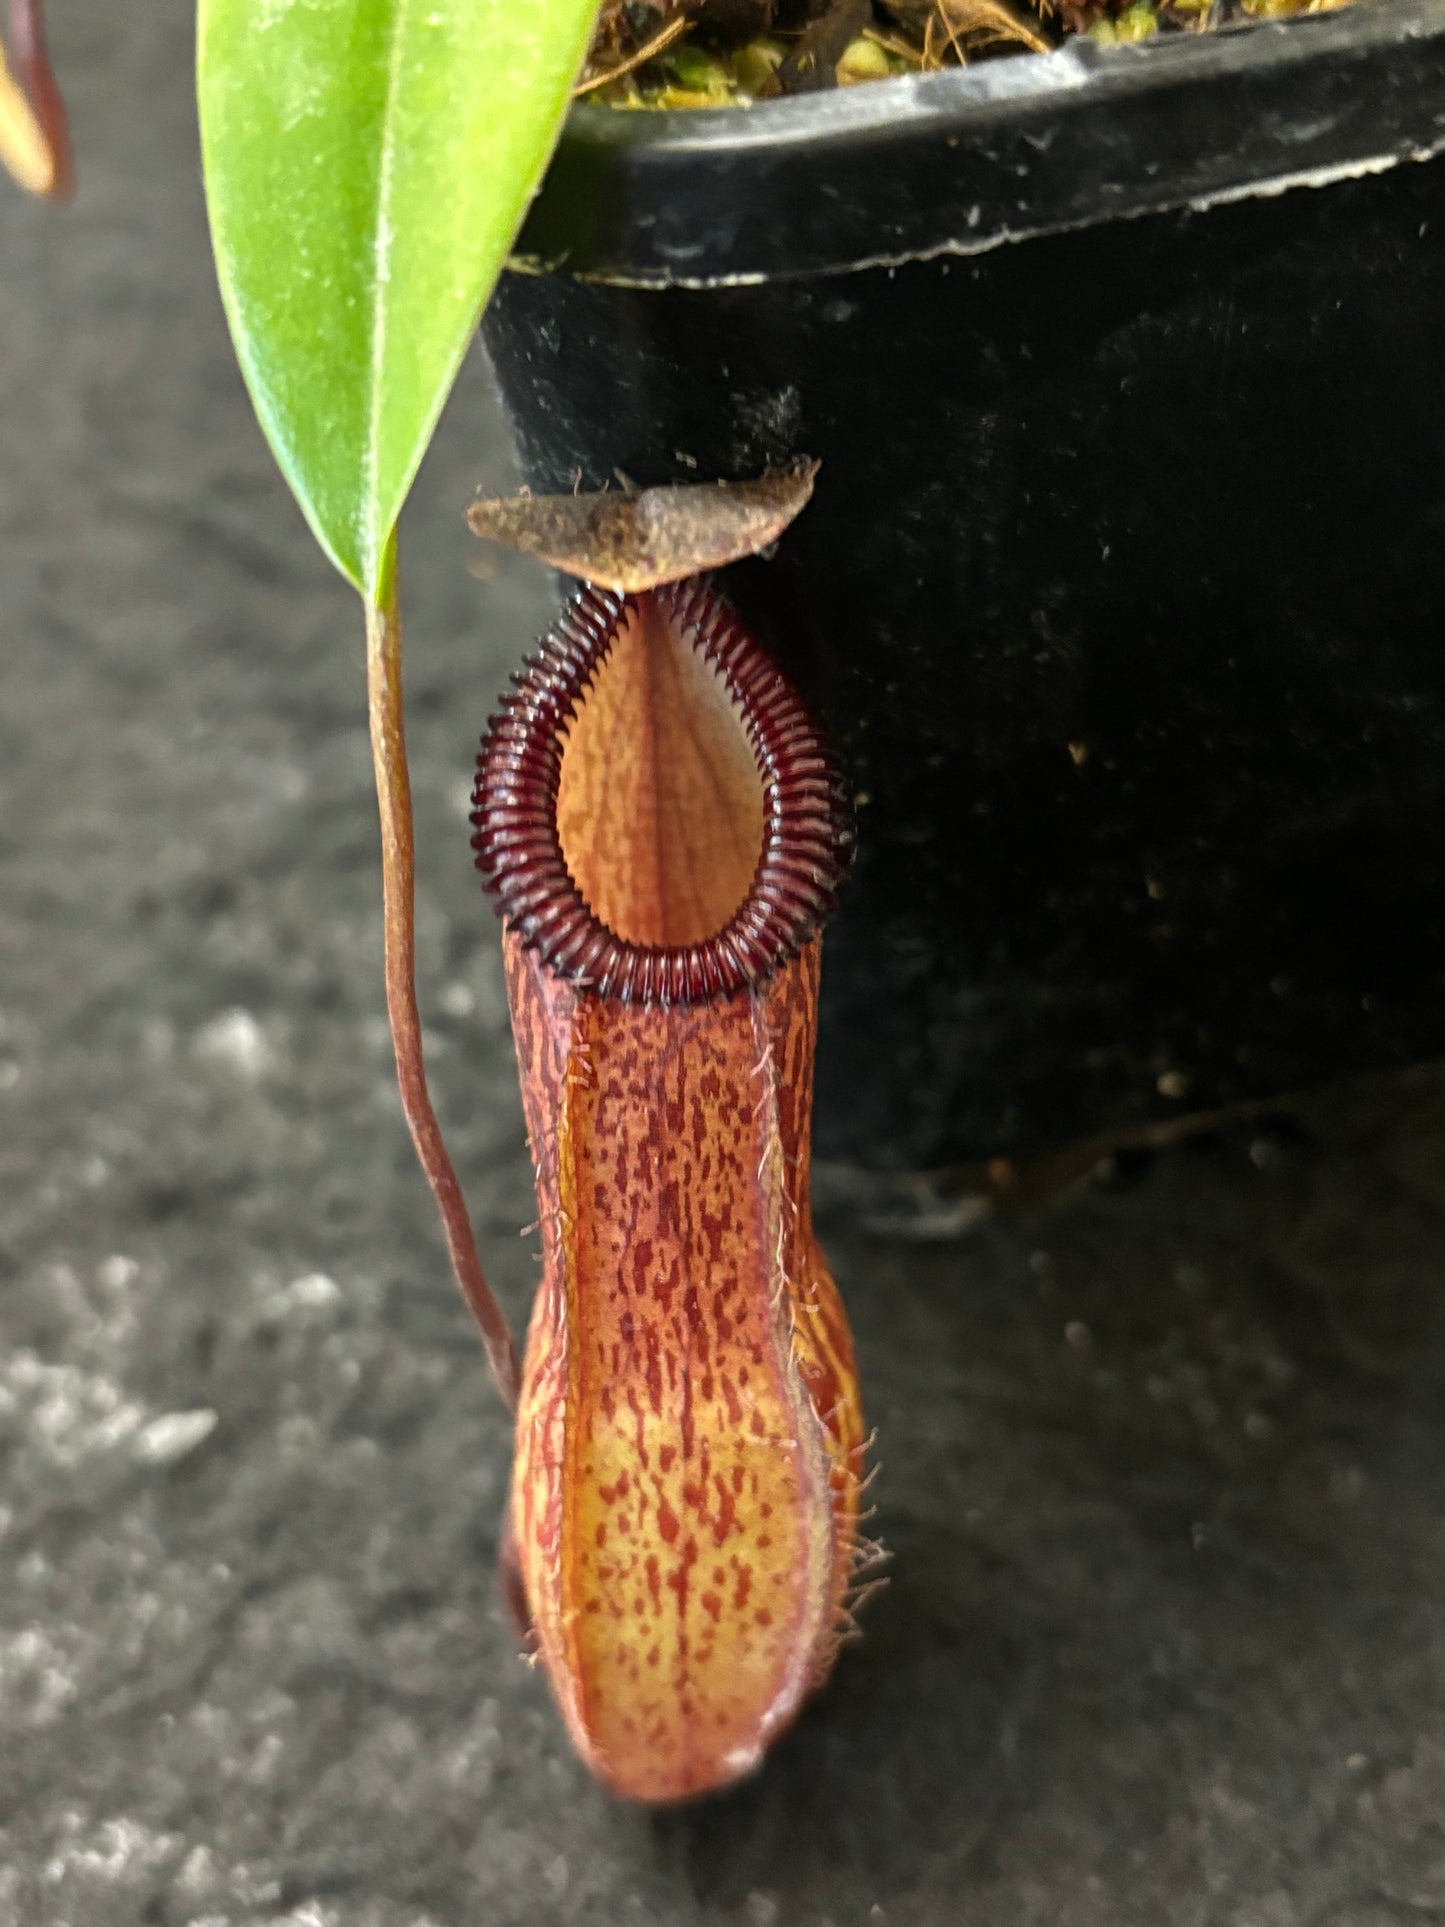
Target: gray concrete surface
{"x":1162,"y":1470}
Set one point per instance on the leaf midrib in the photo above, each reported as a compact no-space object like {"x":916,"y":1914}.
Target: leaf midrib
{"x":381,"y":255}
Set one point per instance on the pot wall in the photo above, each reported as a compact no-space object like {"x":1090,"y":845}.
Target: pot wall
{"x":1121,"y":595}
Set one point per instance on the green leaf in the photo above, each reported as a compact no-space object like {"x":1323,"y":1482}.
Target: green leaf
{"x":367,"y":165}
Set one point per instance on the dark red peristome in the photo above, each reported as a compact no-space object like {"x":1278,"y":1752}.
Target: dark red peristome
{"x":806,"y":838}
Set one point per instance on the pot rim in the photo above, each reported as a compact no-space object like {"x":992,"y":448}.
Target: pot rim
{"x":958,"y":162}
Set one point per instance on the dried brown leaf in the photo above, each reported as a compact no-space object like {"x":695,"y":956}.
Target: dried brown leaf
{"x":24,"y":148}
{"x":820,"y":47}
{"x":34,"y":138}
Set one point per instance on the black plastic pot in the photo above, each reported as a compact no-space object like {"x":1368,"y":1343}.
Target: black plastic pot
{"x":1123,"y":590}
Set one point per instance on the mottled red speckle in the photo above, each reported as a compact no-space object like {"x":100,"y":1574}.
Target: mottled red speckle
{"x":726,"y":1514}
{"x":639,"y":1456}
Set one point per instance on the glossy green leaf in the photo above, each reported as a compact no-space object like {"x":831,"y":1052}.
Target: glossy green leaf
{"x":367,"y":165}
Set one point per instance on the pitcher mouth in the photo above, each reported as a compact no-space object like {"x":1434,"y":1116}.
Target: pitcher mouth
{"x":803,"y":830}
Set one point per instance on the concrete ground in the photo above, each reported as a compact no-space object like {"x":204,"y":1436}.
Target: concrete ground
{"x":1162,"y":1468}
